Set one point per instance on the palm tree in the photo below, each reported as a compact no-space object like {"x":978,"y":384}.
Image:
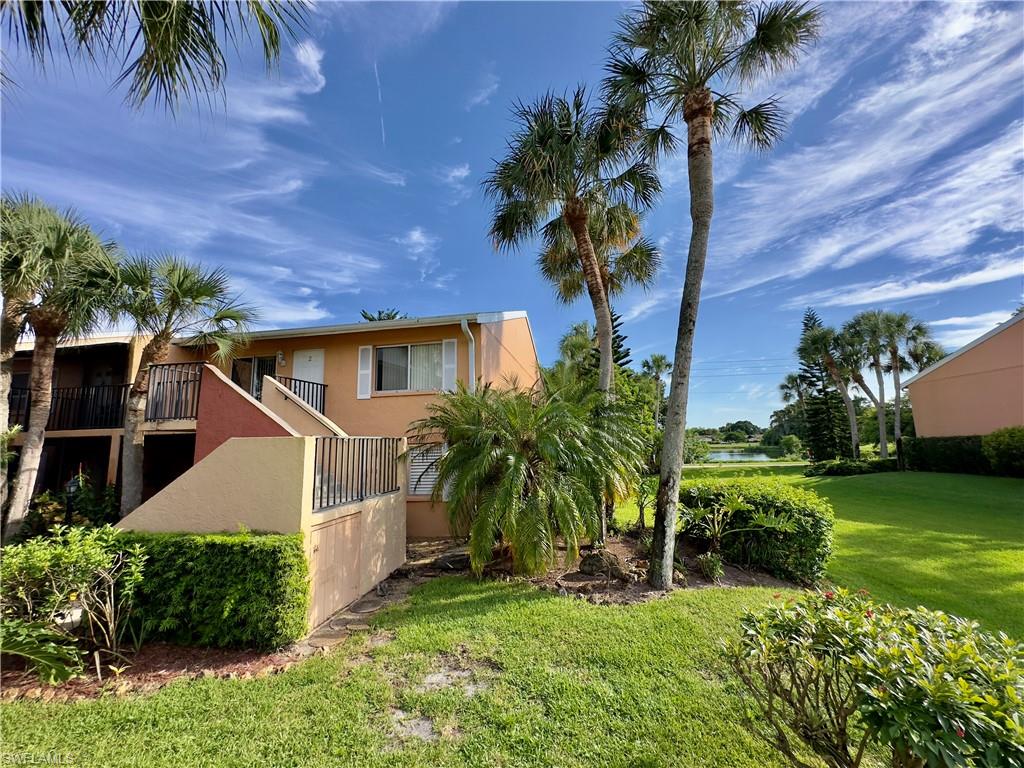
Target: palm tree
{"x":656,"y":366}
{"x":824,"y":345}
{"x":567,"y":162}
{"x":167,"y":50}
{"x":683,"y":60}
{"x":924,"y":353}
{"x":170,"y":298}
{"x":902,"y":332}
{"x":792,"y":390}
{"x":624,"y":258}
{"x":525,"y":468}
{"x":576,"y":346}
{"x":21,"y":222}
{"x":869,"y":328}
{"x":382,"y":314}
{"x":75,"y":282}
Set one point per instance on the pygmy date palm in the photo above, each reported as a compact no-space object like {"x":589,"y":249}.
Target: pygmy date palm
{"x":166,"y":49}
{"x":685,"y":61}
{"x":170,"y":298}
{"x":525,"y":468}
{"x":566,"y":163}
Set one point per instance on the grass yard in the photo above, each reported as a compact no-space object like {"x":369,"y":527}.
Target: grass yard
{"x":952,"y":542}
{"x":564,"y":682}
{"x":568,"y":684}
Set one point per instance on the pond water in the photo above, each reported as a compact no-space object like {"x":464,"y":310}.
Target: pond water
{"x":737,"y":456}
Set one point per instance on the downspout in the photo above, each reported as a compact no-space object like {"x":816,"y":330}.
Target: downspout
{"x":471,"y":384}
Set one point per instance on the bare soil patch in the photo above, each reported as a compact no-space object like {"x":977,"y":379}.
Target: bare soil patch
{"x":153,"y":667}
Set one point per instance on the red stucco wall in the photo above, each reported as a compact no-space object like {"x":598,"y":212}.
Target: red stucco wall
{"x":225,"y":412}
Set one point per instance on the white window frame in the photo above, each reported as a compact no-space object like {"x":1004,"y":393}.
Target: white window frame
{"x":408,"y":368}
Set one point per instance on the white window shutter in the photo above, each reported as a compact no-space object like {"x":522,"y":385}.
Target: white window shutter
{"x":423,"y":469}
{"x":449,"y":363}
{"x":365,"y":378}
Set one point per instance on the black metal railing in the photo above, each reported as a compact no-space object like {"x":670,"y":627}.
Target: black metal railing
{"x":354,"y":468}
{"x":312,"y":392}
{"x":173,"y":391}
{"x":99,"y":407}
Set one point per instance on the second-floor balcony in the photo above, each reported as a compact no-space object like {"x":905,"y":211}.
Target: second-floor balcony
{"x":99,"y":407}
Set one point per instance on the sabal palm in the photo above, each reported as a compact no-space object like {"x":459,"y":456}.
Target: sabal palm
{"x":792,"y":389}
{"x":824,"y":345}
{"x":924,"y":353}
{"x":166,"y":50}
{"x":682,"y":61}
{"x":624,"y":257}
{"x":902,"y":331}
{"x":21,"y":222}
{"x":567,"y":161}
{"x":523,"y":469}
{"x":869,"y":329}
{"x":168,"y":298}
{"x":576,"y":347}
{"x":67,"y":290}
{"x":656,"y":366}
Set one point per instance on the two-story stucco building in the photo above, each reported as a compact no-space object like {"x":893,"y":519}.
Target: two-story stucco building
{"x":367,"y":378}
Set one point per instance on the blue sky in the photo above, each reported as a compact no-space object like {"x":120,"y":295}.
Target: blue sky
{"x":351,"y":178}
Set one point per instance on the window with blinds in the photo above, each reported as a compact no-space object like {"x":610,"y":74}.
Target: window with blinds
{"x":423,"y":469}
{"x":408,"y":368}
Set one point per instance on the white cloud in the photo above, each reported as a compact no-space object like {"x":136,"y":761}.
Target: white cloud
{"x":309,"y":57}
{"x":418,"y":241}
{"x":898,"y":289}
{"x":957,"y":331}
{"x":893,"y":177}
{"x":454,"y":177}
{"x":487,"y":85}
{"x":376,"y":29}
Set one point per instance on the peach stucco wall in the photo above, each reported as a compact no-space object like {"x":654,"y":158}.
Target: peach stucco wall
{"x":507,"y":352}
{"x":979,"y":391}
{"x":262,"y":483}
{"x":225,"y":411}
{"x":301,"y":417}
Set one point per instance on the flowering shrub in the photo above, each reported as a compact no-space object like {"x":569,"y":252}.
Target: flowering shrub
{"x":839,"y":672}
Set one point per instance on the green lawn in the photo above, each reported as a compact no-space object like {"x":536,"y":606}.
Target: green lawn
{"x":570,"y":684}
{"x":952,"y":542}
{"x":567,"y":683}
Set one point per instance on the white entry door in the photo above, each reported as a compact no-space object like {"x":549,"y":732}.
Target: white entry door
{"x":309,"y":365}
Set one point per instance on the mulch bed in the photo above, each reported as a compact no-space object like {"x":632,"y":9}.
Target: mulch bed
{"x":153,"y":667}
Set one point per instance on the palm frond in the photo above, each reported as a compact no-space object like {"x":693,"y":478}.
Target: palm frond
{"x":781,"y":32}
{"x":761,"y":126}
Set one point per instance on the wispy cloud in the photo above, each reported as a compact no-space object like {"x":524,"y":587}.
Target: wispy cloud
{"x":899,"y":289}
{"x":454,"y":177}
{"x":487,"y":85}
{"x":957,"y":331}
{"x":380,"y":104}
{"x":377,"y":29}
{"x":418,"y":241}
{"x":890,"y":176}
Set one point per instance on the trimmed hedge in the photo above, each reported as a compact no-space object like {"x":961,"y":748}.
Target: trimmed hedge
{"x":946,"y":454}
{"x":1004,"y":450}
{"x":800,"y":555}
{"x":842,"y":467}
{"x":242,"y":589}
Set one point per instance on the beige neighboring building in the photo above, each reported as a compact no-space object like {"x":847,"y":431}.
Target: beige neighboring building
{"x":975,"y":390}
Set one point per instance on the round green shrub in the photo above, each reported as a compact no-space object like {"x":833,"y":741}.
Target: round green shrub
{"x":840,"y":672}
{"x":799,"y":555}
{"x":1004,"y":450}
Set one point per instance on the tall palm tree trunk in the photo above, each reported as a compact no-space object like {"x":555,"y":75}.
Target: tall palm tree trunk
{"x":851,"y":411}
{"x":10,"y":330}
{"x":883,"y":440}
{"x":698,"y":112}
{"x":41,"y":389}
{"x":132,"y":444}
{"x":576,"y":218}
{"x":897,"y":400}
